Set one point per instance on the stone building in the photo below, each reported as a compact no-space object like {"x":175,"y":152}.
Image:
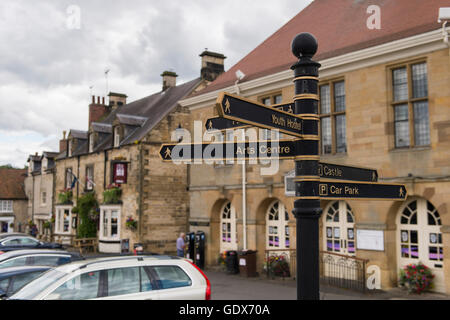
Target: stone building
{"x":384,"y":104}
{"x":39,"y":188}
{"x":13,"y":200}
{"x":121,"y":148}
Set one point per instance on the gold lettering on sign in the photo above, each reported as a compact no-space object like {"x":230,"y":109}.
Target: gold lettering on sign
{"x":326,"y":171}
{"x":287,"y":123}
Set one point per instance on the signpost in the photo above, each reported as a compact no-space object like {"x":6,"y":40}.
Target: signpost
{"x":314,"y":180}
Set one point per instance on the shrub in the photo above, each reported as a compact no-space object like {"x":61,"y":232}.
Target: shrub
{"x":86,"y":205}
{"x":112,"y":194}
{"x":416,"y":278}
{"x":65,"y":196}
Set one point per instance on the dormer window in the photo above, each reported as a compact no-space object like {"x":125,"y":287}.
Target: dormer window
{"x":116,"y":137}
{"x":91,"y":143}
{"x":69,"y":148}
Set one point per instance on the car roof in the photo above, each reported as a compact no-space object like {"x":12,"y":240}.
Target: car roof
{"x":11,"y":271}
{"x":12,"y":234}
{"x":75,"y":265}
{"x":21,"y":252}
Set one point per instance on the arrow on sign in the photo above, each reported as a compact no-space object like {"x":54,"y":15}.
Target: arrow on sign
{"x":362,"y":190}
{"x":257,"y":114}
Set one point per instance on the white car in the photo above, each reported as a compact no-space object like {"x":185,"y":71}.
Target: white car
{"x":121,"y":278}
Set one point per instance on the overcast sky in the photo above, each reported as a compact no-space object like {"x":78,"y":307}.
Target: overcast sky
{"x":53,"y":52}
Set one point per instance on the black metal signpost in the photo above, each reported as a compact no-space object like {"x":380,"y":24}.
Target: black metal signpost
{"x":314,"y":180}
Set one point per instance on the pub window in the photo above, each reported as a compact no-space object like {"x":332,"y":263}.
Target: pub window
{"x":43,"y":198}
{"x":89,"y":177}
{"x":6,"y":206}
{"x":110,"y":222}
{"x":91,"y":142}
{"x":116,"y":136}
{"x":69,"y":148}
{"x":332,"y":118}
{"x":69,"y":178}
{"x":410,"y":105}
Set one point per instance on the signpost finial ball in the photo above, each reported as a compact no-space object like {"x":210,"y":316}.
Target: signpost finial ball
{"x":304,"y":45}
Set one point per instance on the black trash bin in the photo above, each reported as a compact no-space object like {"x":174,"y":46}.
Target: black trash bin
{"x":231,"y":262}
{"x":247,"y":263}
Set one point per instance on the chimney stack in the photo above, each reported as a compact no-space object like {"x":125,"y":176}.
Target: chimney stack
{"x":97,"y":110}
{"x":117,"y":99}
{"x":169,"y":79}
{"x":63,"y":143}
{"x":212,"y":65}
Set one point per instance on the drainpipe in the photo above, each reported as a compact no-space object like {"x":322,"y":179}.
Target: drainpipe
{"x":140,"y":196}
{"x":244,"y":198}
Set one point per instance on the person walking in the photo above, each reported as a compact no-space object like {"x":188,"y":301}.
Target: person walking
{"x":181,"y":245}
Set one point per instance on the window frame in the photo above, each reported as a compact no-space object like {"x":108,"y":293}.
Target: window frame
{"x":89,"y":186}
{"x":332,"y":115}
{"x":107,"y":209}
{"x":59,"y":223}
{"x":410,"y":101}
{"x":6,"y":206}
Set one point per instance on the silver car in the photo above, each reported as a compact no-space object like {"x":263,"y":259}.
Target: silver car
{"x":121,"y":278}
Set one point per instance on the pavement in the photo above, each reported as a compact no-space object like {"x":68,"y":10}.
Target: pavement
{"x":236,"y":287}
{"x":226,"y":286}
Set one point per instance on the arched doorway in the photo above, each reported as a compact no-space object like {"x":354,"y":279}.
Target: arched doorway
{"x":420,"y":239}
{"x":339,"y":230}
{"x":277,"y":228}
{"x":228,"y":232}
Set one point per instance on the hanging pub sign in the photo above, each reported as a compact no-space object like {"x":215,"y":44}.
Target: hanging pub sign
{"x":120,"y":172}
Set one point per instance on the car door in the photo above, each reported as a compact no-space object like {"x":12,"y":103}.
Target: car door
{"x":129,"y":283}
{"x":174,"y":283}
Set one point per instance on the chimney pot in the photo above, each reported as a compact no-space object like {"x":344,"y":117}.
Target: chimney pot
{"x":212,"y":65}
{"x":93,"y":99}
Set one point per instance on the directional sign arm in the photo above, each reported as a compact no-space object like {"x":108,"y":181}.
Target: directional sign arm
{"x":362,"y":190}
{"x":257,"y":114}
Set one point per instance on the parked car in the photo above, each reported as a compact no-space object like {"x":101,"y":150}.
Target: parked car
{"x":4,"y":235}
{"x":121,"y":278}
{"x":25,"y":242}
{"x":12,"y":279}
{"x":47,"y":257}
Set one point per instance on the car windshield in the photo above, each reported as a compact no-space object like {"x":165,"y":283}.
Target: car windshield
{"x":37,"y":286}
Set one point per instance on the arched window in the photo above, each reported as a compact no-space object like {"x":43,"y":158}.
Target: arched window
{"x":228,"y":237}
{"x":420,"y":238}
{"x":277,"y":234}
{"x":340,"y":228}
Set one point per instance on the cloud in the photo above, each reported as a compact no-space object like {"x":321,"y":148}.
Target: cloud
{"x":47,"y":68}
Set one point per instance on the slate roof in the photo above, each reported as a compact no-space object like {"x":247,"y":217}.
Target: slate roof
{"x":12,"y":184}
{"x":138,"y":118}
{"x":340,"y":27}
